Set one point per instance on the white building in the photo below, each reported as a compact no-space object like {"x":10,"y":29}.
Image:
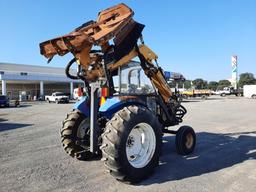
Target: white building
{"x":30,"y":81}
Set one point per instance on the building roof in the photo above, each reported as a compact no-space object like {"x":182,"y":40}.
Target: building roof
{"x":10,"y":67}
{"x":20,"y":72}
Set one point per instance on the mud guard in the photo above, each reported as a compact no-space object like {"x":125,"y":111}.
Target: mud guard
{"x":108,"y":109}
{"x":114,"y":104}
{"x":83,"y":105}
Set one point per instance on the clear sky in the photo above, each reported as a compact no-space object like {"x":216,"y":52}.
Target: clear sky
{"x":193,"y":37}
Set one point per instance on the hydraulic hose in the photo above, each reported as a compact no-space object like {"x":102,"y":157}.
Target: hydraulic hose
{"x":67,"y":69}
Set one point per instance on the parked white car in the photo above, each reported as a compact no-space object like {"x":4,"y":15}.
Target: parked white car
{"x":229,"y":91}
{"x":224,"y":92}
{"x":57,"y":97}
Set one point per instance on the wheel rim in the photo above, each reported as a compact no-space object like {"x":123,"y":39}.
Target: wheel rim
{"x":140,"y":145}
{"x":83,"y":128}
{"x":189,"y":141}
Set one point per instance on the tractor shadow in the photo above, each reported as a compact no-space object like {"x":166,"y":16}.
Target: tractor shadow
{"x":2,"y":120}
{"x":5,"y":126}
{"x":213,"y":152}
{"x":191,"y":100}
{"x":22,"y":105}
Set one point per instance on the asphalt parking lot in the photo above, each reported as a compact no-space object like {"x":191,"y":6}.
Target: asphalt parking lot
{"x":32,"y":158}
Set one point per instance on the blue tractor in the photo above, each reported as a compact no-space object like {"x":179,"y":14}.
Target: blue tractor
{"x":125,"y":129}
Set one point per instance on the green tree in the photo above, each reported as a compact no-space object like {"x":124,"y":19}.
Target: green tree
{"x":213,"y":85}
{"x":246,"y":79}
{"x":223,"y":83}
{"x":172,"y":84}
{"x":132,"y":88}
{"x":200,"y":83}
{"x":146,"y":89}
{"x":187,"y":84}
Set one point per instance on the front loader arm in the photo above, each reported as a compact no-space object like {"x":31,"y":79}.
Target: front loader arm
{"x":147,"y":56}
{"x":172,"y":109}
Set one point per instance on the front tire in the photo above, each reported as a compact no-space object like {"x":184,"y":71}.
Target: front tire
{"x":185,"y":140}
{"x":75,"y":135}
{"x":131,"y":144}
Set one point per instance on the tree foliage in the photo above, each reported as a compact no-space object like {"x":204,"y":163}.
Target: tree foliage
{"x":187,"y":84}
{"x":213,"y":85}
{"x":223,"y":83}
{"x":200,"y":83}
{"x":146,"y":89}
{"x":246,"y":79}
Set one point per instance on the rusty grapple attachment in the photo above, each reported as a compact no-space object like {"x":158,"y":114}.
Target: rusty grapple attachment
{"x":109,"y":24}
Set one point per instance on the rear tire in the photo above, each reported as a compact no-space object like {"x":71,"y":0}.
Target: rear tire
{"x":239,"y":94}
{"x":75,"y":136}
{"x":131,"y":144}
{"x":185,"y":140}
{"x":185,"y":96}
{"x":204,"y":97}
